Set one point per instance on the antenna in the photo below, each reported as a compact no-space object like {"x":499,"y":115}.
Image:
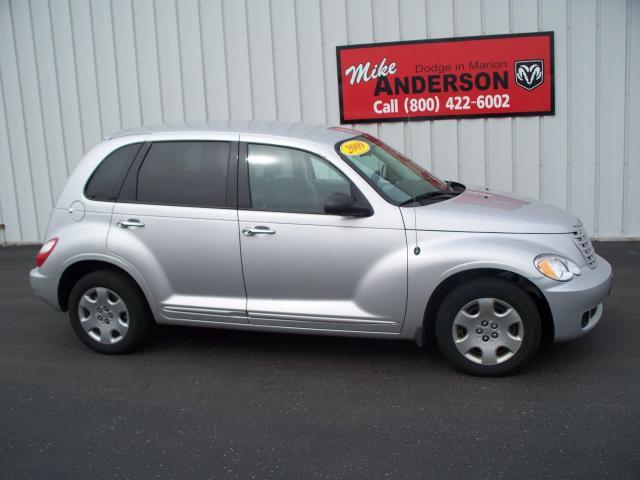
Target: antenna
{"x":416,"y":249}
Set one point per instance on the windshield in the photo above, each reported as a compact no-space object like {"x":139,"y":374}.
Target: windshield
{"x":396,"y":178}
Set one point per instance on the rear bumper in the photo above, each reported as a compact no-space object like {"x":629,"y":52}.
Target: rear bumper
{"x":45,"y":288}
{"x":576,"y":306}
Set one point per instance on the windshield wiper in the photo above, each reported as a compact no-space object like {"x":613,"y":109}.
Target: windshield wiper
{"x":429,"y":196}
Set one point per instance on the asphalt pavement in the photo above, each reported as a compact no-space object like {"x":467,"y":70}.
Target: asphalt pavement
{"x":205,"y":403}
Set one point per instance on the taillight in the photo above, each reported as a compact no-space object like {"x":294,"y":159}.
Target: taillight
{"x":45,"y":251}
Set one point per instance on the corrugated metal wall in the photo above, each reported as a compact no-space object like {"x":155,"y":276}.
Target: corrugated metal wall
{"x":72,"y":71}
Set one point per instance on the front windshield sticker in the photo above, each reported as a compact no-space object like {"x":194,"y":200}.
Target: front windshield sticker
{"x":354,"y":148}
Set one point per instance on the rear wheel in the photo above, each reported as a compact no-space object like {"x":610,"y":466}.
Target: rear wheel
{"x":488,"y":326}
{"x":108,"y":312}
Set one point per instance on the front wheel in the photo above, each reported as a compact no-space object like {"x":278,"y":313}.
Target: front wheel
{"x":108,"y":312}
{"x":488,"y":326}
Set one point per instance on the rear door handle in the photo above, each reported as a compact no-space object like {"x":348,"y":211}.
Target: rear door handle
{"x":258,"y":230}
{"x":132,"y":222}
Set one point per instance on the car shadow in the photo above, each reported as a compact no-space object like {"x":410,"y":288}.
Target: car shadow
{"x":179,"y":338}
{"x":332,"y":351}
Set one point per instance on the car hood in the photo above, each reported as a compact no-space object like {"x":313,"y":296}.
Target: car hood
{"x":482,"y":210}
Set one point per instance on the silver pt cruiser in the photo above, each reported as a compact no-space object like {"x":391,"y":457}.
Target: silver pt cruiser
{"x":308,"y":229}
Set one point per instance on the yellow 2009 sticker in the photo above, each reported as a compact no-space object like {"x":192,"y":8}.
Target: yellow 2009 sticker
{"x":354,"y":147}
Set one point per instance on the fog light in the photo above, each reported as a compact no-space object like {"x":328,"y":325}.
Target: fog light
{"x":585,"y":319}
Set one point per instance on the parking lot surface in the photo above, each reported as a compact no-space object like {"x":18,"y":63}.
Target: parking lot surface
{"x":205,"y":403}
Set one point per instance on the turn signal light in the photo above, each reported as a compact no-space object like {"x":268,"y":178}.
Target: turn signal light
{"x":556,"y":267}
{"x":45,"y":251}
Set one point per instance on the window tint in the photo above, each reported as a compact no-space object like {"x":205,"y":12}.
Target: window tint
{"x":185,"y":173}
{"x":107,"y":179}
{"x":288,"y":180}
{"x":323,"y":171}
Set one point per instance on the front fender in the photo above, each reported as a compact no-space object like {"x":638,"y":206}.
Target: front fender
{"x":444,"y":254}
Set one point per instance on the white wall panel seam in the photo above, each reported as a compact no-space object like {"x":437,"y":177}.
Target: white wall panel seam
{"x":512,"y":121}
{"x":157,"y":50}
{"x":95,"y":68}
{"x":25,"y":130}
{"x":373,"y":22}
{"x":226,"y":61}
{"x":297,"y":58}
{"x":401,"y":35}
{"x":204,"y":75}
{"x":180,"y":58}
{"x":375,"y":126}
{"x":431,"y":122}
{"x":75,"y":68}
{"x":485,"y":121}
{"x":10,"y":159}
{"x":48,"y":95}
{"x":598,"y":113}
{"x":93,"y":121}
{"x":273,"y":70}
{"x":252,"y":93}
{"x":324,"y":73}
{"x":137,"y":61}
{"x":58,"y":99}
{"x":515,"y":186}
{"x":39,"y":93}
{"x":104,"y":56}
{"x":569,"y":111}
{"x":627,"y":82}
{"x":115,"y":66}
{"x":323,"y":47}
{"x":542,"y":119}
{"x":458,"y":135}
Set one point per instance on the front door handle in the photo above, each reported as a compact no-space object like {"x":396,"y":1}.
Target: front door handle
{"x":132,"y":222}
{"x":258,"y":230}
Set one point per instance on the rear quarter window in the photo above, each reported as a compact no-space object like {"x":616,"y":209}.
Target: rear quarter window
{"x":105,"y":182}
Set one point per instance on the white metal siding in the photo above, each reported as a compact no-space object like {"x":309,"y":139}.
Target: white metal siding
{"x":72,"y":71}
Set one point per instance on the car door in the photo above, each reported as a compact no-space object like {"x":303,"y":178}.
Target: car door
{"x":307,"y":269}
{"x":176,"y":223}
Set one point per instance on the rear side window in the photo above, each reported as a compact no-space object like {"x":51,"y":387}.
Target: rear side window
{"x":104,"y":185}
{"x":192,"y":174}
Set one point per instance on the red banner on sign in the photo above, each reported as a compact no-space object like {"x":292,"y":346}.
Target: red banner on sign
{"x":489,"y":76}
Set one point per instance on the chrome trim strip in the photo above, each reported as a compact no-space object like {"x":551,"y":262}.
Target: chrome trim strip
{"x":204,"y":311}
{"x":312,"y":318}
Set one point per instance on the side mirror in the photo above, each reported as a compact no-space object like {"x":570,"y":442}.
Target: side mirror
{"x":342,"y":204}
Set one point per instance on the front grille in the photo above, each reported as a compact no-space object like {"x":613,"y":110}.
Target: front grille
{"x":583,"y":243}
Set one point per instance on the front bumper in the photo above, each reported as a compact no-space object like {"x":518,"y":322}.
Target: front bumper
{"x":45,"y":288}
{"x":576,"y":305}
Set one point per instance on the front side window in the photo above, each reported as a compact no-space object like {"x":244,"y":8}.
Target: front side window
{"x":192,"y":174}
{"x":104,"y":185}
{"x":392,"y":174}
{"x":288,"y":180}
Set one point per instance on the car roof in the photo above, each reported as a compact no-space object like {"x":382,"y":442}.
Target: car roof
{"x":320,"y":134}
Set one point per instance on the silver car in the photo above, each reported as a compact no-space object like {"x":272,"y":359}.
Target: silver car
{"x":309,"y":229}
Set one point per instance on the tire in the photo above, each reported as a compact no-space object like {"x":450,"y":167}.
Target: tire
{"x":488,"y":326}
{"x":109,"y":313}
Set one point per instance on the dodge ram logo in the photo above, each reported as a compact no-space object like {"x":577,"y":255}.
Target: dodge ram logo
{"x":529,"y":73}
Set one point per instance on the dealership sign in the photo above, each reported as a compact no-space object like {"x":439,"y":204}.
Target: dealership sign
{"x":462,"y":77}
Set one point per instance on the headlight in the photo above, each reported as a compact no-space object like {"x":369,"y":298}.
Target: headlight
{"x":556,"y":267}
